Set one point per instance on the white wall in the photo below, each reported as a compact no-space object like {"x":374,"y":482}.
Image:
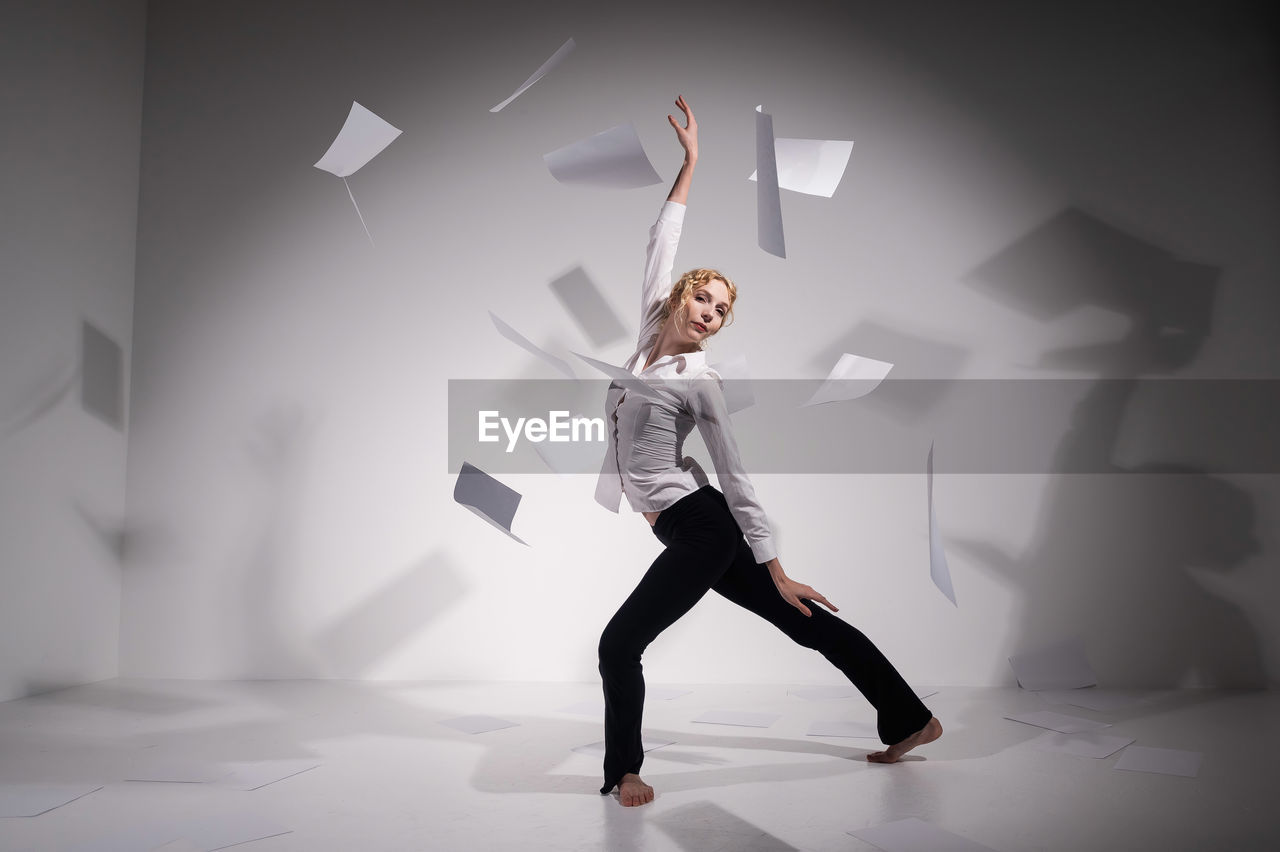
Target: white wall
{"x":288,"y":478}
{"x":71,"y":95}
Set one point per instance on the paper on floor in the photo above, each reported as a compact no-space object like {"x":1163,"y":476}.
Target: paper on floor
{"x":1062,"y":665}
{"x":527,"y":345}
{"x":738,"y":717}
{"x":938,"y":570}
{"x":28,"y":800}
{"x":768,"y":203}
{"x":916,"y":835}
{"x":1165,"y":761}
{"x":1059,"y":722}
{"x":1092,"y":745}
{"x":230,"y":829}
{"x":478,"y":724}
{"x":1102,"y":700}
{"x":613,"y":158}
{"x":488,"y":498}
{"x":586,"y":707}
{"x":852,"y":377}
{"x":664,"y":693}
{"x":556,"y":58}
{"x":823,"y":693}
{"x":811,"y":166}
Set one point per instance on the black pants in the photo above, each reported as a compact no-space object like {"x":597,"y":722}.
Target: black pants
{"x":706,"y":550}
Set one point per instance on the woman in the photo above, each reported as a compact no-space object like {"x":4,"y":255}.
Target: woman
{"x":703,"y":529}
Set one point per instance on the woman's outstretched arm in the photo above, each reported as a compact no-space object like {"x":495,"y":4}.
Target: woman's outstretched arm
{"x":688,"y":136}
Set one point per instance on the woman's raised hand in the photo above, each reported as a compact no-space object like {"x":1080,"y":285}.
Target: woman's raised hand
{"x":688,"y":135}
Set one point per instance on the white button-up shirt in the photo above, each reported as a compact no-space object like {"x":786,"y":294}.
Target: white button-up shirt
{"x":645,"y":457}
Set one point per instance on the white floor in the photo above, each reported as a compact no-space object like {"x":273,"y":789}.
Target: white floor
{"x":389,"y":776}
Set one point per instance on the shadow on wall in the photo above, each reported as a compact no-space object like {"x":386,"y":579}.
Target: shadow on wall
{"x":1114,"y":557}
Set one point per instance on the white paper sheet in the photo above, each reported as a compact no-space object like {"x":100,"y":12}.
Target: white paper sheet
{"x":613,"y":158}
{"x":28,"y":800}
{"x":646,"y":743}
{"x":527,"y":345}
{"x":624,"y":378}
{"x":916,"y":835}
{"x":1059,"y":722}
{"x":823,"y":693}
{"x":923,"y":692}
{"x":768,"y":203}
{"x":738,"y":717}
{"x":1163,"y":761}
{"x":737,"y":383}
{"x":842,"y":728}
{"x":1092,"y":745}
{"x":487,"y":498}
{"x":811,"y":166}
{"x":1062,"y":665}
{"x":255,"y":774}
{"x":362,"y":137}
{"x":479,"y":724}
{"x":852,"y":377}
{"x":938,"y":569}
{"x":556,"y":58}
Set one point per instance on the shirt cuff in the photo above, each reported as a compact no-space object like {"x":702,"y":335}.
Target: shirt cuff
{"x":672,"y":211}
{"x":763,"y":550}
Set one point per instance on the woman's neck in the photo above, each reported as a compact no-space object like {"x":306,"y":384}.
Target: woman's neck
{"x":665,"y":345}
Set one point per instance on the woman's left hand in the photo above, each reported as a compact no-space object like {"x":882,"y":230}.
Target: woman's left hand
{"x":796,"y":593}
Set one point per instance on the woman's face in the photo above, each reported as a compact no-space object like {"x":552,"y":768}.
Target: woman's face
{"x":703,"y":312}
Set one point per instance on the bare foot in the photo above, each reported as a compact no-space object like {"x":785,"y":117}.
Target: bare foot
{"x":632,"y":791}
{"x":930,"y":732}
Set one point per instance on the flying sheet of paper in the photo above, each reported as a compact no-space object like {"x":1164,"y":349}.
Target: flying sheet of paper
{"x":363,"y":136}
{"x":586,"y":707}
{"x":613,"y":158}
{"x":916,"y":835}
{"x":811,"y":166}
{"x":624,"y":378}
{"x":488,"y":498}
{"x":768,"y":203}
{"x":252,"y":775}
{"x":646,"y":743}
{"x":737,"y":383}
{"x":823,"y":693}
{"x":28,"y":800}
{"x":1164,"y":761}
{"x":1059,"y":722}
{"x":738,"y":717}
{"x":1062,"y":665}
{"x":842,"y":728}
{"x":1096,"y":746}
{"x":556,"y":58}
{"x":1102,"y":700}
{"x":478,"y":724}
{"x":853,"y":376}
{"x":527,"y":345}
{"x":588,"y":307}
{"x":938,"y":569}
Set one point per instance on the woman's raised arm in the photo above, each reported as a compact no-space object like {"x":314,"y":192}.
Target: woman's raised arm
{"x":688,"y":136}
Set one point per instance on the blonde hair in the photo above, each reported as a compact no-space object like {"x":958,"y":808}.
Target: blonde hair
{"x":691,"y":281}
